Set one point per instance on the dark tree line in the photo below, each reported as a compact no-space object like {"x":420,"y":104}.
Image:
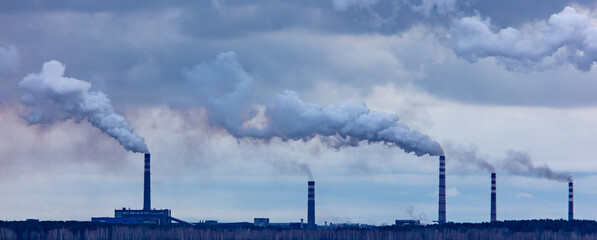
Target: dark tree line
{"x":532,"y":229}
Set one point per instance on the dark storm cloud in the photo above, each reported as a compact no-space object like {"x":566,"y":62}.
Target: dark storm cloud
{"x":228,"y":19}
{"x":135,"y":51}
{"x":514,"y":12}
{"x":16,"y":6}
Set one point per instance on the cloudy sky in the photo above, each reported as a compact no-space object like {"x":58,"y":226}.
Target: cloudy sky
{"x":237,"y":101}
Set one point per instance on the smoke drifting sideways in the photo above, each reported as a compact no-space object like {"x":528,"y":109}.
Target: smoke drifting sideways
{"x":54,"y":97}
{"x":225,"y":90}
{"x":566,"y":37}
{"x":293,"y":167}
{"x":515,"y":162}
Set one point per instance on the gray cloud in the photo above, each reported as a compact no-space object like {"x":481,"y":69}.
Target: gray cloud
{"x":9,"y":68}
{"x":442,"y":7}
{"x":424,"y":7}
{"x":488,"y":84}
{"x":516,"y":13}
{"x":566,"y":37}
{"x":9,"y":61}
{"x":131,"y":52}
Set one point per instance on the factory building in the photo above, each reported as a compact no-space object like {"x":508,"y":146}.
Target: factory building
{"x":158,"y":217}
{"x":145,"y":215}
{"x":261,"y":222}
{"x":400,"y":222}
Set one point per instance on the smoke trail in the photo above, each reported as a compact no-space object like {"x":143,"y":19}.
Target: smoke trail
{"x":55,"y":97}
{"x":567,"y":37}
{"x":468,"y":157}
{"x":520,"y":163}
{"x":225,"y":91}
{"x":515,"y":162}
{"x":293,"y":167}
{"x":306,"y":170}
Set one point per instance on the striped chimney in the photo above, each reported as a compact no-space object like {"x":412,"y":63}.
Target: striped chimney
{"x":442,"y":190}
{"x":147,"y":185}
{"x":493,"y":199}
{"x":311,"y":205}
{"x":570,"y":201}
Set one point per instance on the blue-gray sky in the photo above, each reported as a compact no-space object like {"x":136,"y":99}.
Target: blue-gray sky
{"x":191,"y":77}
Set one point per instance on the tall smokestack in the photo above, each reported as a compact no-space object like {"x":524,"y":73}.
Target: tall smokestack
{"x":147,"y":185}
{"x":493,"y":199}
{"x":570,"y":201}
{"x":442,"y":190}
{"x":311,"y":205}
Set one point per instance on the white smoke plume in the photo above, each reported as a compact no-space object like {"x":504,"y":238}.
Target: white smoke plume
{"x":422,"y":218}
{"x":515,"y":162}
{"x":225,"y":90}
{"x":54,"y":97}
{"x":566,"y":37}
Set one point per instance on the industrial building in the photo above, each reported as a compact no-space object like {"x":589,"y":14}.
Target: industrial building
{"x":147,"y":215}
{"x":400,"y":223}
{"x":261,"y":222}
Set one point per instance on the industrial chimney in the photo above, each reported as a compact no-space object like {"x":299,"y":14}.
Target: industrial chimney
{"x":570,"y":201}
{"x":311,"y":205}
{"x":442,"y":190}
{"x":147,"y":185}
{"x":493,"y":199}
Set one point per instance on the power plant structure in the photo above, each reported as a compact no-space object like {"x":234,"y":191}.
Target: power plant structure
{"x":147,"y":215}
{"x":570,"y":201}
{"x":493,"y":215}
{"x":311,"y":206}
{"x":442,"y":190}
